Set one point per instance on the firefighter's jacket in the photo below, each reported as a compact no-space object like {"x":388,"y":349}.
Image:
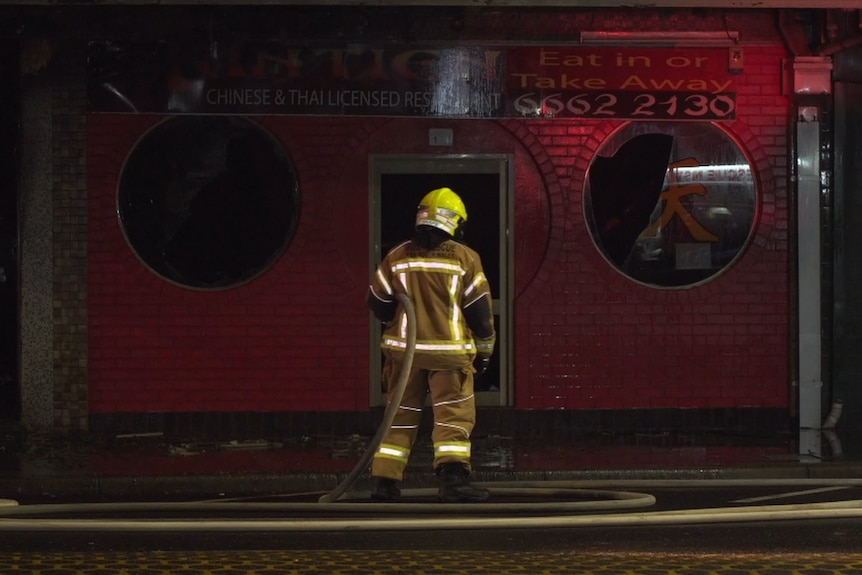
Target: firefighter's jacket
{"x":452,"y":299}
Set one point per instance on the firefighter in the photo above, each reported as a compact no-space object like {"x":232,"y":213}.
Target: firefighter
{"x":455,"y":339}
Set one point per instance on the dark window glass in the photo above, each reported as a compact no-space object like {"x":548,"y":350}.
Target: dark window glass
{"x":208,"y":202}
{"x":670,"y":204}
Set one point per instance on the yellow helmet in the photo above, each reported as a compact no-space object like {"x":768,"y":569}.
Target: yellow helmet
{"x":442,"y":209}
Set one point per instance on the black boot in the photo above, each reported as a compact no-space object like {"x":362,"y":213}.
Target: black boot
{"x":385,"y":490}
{"x":454,"y":487}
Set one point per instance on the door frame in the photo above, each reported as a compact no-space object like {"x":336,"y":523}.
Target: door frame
{"x":503,"y":166}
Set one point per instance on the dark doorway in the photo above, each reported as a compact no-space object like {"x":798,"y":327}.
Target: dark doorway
{"x":399,"y":197}
{"x":481,"y":184}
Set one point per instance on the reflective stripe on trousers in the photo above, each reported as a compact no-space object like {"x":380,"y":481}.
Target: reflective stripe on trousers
{"x":454,"y":409}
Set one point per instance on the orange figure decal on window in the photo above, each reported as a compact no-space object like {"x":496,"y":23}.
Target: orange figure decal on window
{"x":673,"y":206}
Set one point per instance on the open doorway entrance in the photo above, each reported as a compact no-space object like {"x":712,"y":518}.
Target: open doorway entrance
{"x":483,"y":182}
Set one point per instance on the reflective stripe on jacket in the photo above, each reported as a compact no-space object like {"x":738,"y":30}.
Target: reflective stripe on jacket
{"x":443,"y":282}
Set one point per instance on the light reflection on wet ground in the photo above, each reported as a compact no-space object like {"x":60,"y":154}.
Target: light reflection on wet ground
{"x":154,"y":453}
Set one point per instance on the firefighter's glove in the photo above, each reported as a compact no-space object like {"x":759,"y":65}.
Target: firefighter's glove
{"x":481,"y":363}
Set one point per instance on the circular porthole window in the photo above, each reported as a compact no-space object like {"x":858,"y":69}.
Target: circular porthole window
{"x":670,"y":204}
{"x":208,"y":202}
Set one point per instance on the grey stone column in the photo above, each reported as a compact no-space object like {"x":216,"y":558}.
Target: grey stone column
{"x":36,"y":253}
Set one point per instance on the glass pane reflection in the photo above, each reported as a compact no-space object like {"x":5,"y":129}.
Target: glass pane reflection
{"x":670,"y":204}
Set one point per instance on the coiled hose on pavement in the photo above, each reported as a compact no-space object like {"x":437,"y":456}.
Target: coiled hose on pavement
{"x":391,"y":408}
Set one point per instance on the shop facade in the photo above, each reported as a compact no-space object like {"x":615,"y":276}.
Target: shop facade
{"x":217,"y":203}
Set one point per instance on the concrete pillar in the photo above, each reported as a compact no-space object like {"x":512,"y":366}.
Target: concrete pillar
{"x":36,"y":254}
{"x":811,"y":81}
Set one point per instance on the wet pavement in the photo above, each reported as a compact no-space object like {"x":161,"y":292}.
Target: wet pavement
{"x":62,"y":467}
{"x":241,"y":496}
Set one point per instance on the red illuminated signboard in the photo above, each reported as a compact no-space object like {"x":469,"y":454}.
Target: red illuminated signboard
{"x":449,"y":82}
{"x":630,"y":83}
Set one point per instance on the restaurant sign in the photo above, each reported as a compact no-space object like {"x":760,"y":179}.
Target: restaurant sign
{"x":448,"y":82}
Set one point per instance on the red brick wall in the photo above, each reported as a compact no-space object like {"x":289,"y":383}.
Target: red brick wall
{"x":295,"y":339}
{"x":585,"y":337}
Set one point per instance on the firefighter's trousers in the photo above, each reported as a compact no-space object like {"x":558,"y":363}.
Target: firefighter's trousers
{"x":454,"y":408}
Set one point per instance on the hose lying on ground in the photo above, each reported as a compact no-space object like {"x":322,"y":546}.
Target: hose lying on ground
{"x":851,"y":509}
